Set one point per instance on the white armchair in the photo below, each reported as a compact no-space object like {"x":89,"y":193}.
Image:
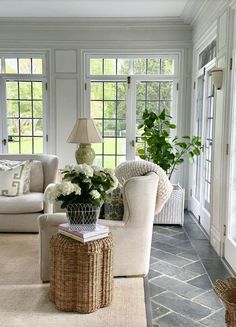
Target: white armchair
{"x":20,"y":213}
{"x":132,"y":236}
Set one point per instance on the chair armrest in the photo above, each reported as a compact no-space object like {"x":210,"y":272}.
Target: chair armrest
{"x":48,"y":206}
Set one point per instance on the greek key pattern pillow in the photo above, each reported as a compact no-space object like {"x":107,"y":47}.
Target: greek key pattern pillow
{"x":9,"y":164}
{"x":12,"y":180}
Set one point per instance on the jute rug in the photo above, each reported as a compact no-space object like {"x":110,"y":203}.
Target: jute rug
{"x":24,"y":300}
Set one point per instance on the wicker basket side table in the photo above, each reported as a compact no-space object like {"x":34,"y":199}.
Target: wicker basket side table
{"x":226,"y":291}
{"x":81,"y":278}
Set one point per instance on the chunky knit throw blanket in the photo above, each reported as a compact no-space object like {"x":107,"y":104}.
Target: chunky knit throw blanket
{"x":134,"y":168}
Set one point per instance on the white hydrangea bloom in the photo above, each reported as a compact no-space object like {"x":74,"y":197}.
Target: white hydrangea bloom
{"x":69,"y":167}
{"x":64,"y":188}
{"x":84,"y":169}
{"x":115,"y":182}
{"x":109,"y":171}
{"x":95,"y":194}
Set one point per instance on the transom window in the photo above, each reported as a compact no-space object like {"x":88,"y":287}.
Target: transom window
{"x":24,"y":84}
{"x":119,"y":90}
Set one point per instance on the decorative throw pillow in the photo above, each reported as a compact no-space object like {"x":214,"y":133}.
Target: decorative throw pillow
{"x":9,"y":164}
{"x":113,"y":208}
{"x":12,"y":180}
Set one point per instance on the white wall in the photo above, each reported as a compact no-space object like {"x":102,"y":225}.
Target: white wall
{"x":66,"y":40}
{"x":216,"y":18}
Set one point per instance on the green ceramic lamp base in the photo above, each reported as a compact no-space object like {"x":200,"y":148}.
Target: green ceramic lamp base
{"x":85,"y":154}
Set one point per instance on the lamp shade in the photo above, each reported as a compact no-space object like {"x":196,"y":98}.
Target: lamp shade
{"x":85,"y":131}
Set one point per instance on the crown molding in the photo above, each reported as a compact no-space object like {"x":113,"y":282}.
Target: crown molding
{"x":192,"y":10}
{"x":165,"y":23}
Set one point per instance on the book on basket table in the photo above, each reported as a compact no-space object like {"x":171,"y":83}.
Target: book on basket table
{"x":84,"y":233}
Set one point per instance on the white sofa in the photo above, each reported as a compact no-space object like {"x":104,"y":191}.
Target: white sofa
{"x":132,"y":236}
{"x":20,"y":213}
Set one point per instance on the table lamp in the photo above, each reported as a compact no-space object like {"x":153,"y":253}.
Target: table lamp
{"x":85,"y":132}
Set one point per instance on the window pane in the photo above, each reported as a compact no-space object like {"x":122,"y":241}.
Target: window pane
{"x":167,"y":67}
{"x":109,"y":128}
{"x":152,"y":91}
{"x":12,"y":90}
{"x":37,"y":90}
{"x":109,"y":66}
{"x":121,"y":91}
{"x":139,"y":66}
{"x":11,"y":66}
{"x":26,"y":127}
{"x":25,"y":90}
{"x":38,"y":127}
{"x":25,"y":66}
{"x":121,"y":128}
{"x":37,"y":66}
{"x":97,"y":148}
{"x":166,"y":90}
{"x":121,"y":109}
{"x":123,"y":66}
{"x":121,"y":146}
{"x":13,"y":127}
{"x":38,"y":109}
{"x":12,"y":109}
{"x":140,"y":90}
{"x":109,"y":146}
{"x":109,"y":109}
{"x":109,"y":162}
{"x":120,"y":159}
{"x":26,"y":145}
{"x":38,"y":144}
{"x":109,"y":91}
{"x":153,"y":66}
{"x":13,"y":145}
{"x":96,"y":66}
{"x":25,"y":109}
{"x":96,"y":109}
{"x":96,"y":90}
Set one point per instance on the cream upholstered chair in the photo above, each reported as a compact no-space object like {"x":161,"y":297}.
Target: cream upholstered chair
{"x":20,"y":213}
{"x":132,"y":236}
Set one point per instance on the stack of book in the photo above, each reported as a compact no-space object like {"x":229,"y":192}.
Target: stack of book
{"x":84,"y":233}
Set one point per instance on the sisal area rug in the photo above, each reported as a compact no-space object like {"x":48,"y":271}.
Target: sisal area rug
{"x":24,"y":300}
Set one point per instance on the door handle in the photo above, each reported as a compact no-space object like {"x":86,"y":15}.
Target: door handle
{"x":4,"y":142}
{"x":132,"y":143}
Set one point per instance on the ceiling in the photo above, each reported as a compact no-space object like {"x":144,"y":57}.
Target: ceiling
{"x":93,"y":8}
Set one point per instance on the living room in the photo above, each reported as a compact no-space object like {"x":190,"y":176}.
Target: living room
{"x":112,"y":61}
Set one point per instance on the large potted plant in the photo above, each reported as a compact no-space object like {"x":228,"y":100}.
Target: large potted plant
{"x":168,"y":152}
{"x":82,"y":191}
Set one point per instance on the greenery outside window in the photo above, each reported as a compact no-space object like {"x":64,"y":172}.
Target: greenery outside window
{"x":119,"y":89}
{"x":23,"y":103}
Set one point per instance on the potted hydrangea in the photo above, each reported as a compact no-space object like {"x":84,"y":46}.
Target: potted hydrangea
{"x":82,"y":191}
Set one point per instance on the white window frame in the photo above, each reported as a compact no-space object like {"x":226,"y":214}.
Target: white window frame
{"x":4,"y":77}
{"x":130,"y":119}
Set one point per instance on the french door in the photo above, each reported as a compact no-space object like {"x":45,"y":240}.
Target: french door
{"x":22,"y":104}
{"x":230,"y":227}
{"x":117,"y":102}
{"x":200,"y":203}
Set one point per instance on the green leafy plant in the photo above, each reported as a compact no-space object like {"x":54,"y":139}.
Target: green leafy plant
{"x":162,"y":149}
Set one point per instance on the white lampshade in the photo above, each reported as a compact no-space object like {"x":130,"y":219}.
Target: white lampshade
{"x":85,"y":131}
{"x":217,"y":77}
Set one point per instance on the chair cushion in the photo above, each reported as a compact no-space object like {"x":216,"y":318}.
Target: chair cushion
{"x":25,"y":203}
{"x":36,"y":177}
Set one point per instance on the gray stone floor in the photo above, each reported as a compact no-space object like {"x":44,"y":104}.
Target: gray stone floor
{"x":182,"y":269}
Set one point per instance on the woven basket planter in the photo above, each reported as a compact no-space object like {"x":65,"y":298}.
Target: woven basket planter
{"x":226,"y":291}
{"x":173,"y":211}
{"x":81,"y":278}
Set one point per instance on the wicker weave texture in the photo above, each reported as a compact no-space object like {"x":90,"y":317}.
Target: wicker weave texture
{"x":81,"y":278}
{"x":226,"y":290}
{"x":173,"y":210}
